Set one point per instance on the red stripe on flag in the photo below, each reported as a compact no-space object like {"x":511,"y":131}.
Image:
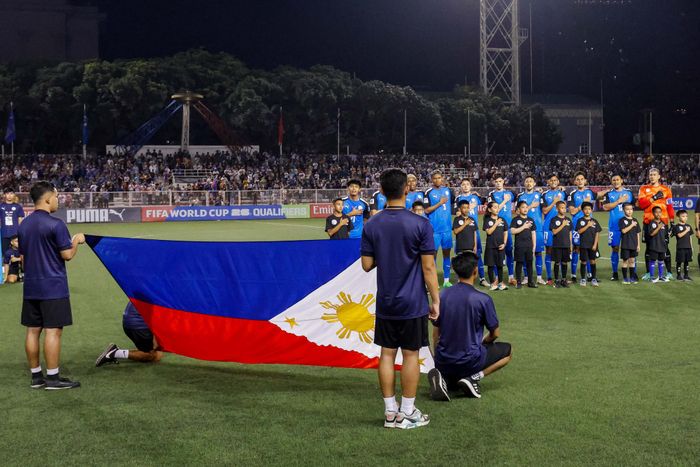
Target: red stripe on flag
{"x":217,"y":338}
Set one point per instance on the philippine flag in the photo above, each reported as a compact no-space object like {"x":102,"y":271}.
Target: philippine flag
{"x":297,"y":302}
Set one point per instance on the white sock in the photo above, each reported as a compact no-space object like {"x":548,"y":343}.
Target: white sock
{"x":51,"y":371}
{"x":390,"y":404}
{"x":121,"y":354}
{"x":478,"y":376}
{"x":408,"y":405}
{"x":37,"y":369}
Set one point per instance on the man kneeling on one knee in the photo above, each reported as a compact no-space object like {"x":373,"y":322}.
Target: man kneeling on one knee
{"x":463,"y":355}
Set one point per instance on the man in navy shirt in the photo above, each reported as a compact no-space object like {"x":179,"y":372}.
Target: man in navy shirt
{"x":140,"y":334}
{"x":46,"y":245}
{"x":463,"y":355}
{"x":400,"y":245}
{"x":11,"y":216}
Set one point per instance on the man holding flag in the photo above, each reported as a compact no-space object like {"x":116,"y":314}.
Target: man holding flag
{"x":400,"y":245}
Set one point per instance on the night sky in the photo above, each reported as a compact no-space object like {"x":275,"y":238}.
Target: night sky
{"x":644,"y":51}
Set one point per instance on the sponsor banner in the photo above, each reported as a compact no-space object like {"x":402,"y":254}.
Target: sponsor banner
{"x":296,"y":211}
{"x":688,"y":204}
{"x":211,"y":213}
{"x":101,"y":215}
{"x":320,"y":210}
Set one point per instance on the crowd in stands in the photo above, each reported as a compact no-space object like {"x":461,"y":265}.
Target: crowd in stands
{"x":153,"y":172}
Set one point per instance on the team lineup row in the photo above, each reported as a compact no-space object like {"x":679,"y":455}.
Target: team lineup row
{"x":540,"y":225}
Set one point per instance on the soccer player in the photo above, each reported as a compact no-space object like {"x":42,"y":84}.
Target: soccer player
{"x":523,"y":229}
{"x":376,"y":203}
{"x":576,"y":198}
{"x":474,"y":202}
{"x":11,"y":262}
{"x":438,"y":207}
{"x":419,"y":209}
{"x":550,"y":198}
{"x":401,"y":246}
{"x":46,"y":245}
{"x":463,"y":355}
{"x":656,"y":245}
{"x":413,"y":194}
{"x":140,"y":334}
{"x":338,"y":225}
{"x":650,"y":196}
{"x":504,"y":198}
{"x":533,"y":198}
{"x":684,"y":247}
{"x":355,"y":208}
{"x":560,"y":226}
{"x":465,"y":229}
{"x":629,"y":244}
{"x":613,"y":201}
{"x":11,"y":216}
{"x":496,"y":238}
{"x":588,"y":230}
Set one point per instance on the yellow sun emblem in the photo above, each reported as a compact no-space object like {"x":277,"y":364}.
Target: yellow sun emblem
{"x":353,"y":317}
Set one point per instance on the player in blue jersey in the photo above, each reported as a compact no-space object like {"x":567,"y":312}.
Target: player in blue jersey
{"x":474,"y":200}
{"x":439,"y":201}
{"x":576,"y":198}
{"x":533,"y":198}
{"x":376,"y":203}
{"x":550,"y":198}
{"x":413,"y":193}
{"x":505,"y":199}
{"x":356,"y":208}
{"x":613,"y":201}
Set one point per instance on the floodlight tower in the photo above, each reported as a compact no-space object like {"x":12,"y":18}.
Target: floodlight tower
{"x":500,"y":40}
{"x":187,"y":98}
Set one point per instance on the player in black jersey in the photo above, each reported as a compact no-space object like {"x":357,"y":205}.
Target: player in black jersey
{"x":464,"y":229}
{"x":495,"y":252}
{"x":338,"y":225}
{"x":523,"y":230}
{"x":684,"y":247}
{"x":656,"y":246}
{"x":560,"y":226}
{"x":629,"y":244}
{"x":589,"y":234}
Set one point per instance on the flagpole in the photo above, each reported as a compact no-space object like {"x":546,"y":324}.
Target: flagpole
{"x":338,"y":142}
{"x":279,"y":134}
{"x":84,"y":131}
{"x":404,"y":131}
{"x":469,"y":131}
{"x":12,"y":143}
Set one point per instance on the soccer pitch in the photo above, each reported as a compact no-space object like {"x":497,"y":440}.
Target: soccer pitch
{"x":599,"y":376}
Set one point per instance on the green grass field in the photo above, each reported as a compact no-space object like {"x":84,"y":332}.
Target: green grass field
{"x":599,"y":376}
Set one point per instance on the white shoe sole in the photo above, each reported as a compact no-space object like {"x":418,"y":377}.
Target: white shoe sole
{"x":467,"y":386}
{"x":437,"y":386}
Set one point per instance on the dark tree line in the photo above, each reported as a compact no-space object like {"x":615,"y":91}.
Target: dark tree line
{"x":123,"y":94}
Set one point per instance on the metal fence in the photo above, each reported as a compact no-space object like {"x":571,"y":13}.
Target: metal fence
{"x":237,"y":197}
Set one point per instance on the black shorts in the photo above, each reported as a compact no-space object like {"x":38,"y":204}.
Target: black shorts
{"x":655,"y":255}
{"x":47,"y":313}
{"x":142,"y":338}
{"x":494,"y":352}
{"x":408,"y":334}
{"x":494,"y":257}
{"x":13,"y":269}
{"x":626,"y":254}
{"x":523,"y":255}
{"x":561,"y":255}
{"x":684,"y":255}
{"x":586,"y":254}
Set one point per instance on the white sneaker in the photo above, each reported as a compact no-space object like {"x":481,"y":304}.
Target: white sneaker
{"x":541,"y":281}
{"x":494,"y":286}
{"x":655,"y":280}
{"x":594,"y":282}
{"x":415,"y":420}
{"x":502,"y":286}
{"x":390,"y":419}
{"x":582,"y":283}
{"x":523,"y":281}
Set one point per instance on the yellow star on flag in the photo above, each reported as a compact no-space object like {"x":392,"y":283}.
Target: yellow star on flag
{"x":421,"y":361}
{"x":292,"y":322}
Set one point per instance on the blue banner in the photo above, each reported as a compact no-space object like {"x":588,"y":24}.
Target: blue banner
{"x":212,"y":213}
{"x":688,"y":204}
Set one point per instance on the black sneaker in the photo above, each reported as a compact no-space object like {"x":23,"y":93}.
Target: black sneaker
{"x":687,"y":278}
{"x":573,"y":279}
{"x":107,"y":355}
{"x":38,"y":381}
{"x":564,"y":284}
{"x":519,"y":286}
{"x":438,"y":386}
{"x":60,"y":383}
{"x":679,"y":277}
{"x":470,"y":387}
{"x":615,"y":277}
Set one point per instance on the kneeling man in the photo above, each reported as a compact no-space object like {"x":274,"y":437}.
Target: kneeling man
{"x":140,"y":334}
{"x":463,"y":356}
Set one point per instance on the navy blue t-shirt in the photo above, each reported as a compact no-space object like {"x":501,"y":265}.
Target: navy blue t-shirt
{"x":396,"y":239}
{"x":132,"y":319}
{"x":42,"y":237}
{"x":8,"y":254}
{"x":464,"y":312}
{"x":10,"y":214}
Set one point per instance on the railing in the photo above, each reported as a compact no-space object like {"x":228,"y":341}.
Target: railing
{"x":281,"y":196}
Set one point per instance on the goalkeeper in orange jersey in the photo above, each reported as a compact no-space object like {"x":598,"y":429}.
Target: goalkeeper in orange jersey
{"x":654,"y":195}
